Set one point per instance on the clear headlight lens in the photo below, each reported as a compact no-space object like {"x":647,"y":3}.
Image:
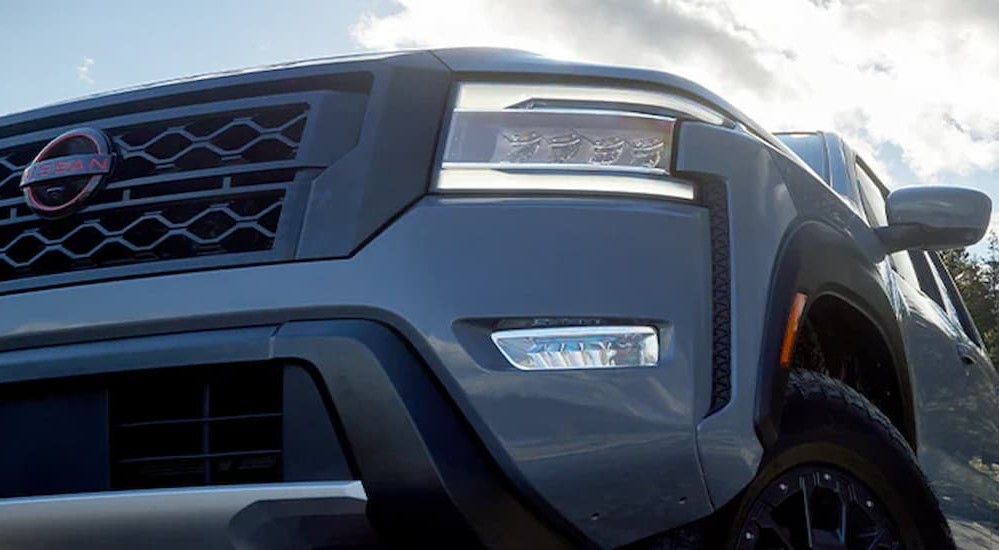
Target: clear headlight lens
{"x":565,"y":138}
{"x":579,"y":347}
{"x":561,"y":140}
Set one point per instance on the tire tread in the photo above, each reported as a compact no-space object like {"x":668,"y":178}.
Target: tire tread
{"x":809,"y":386}
{"x":809,"y":390}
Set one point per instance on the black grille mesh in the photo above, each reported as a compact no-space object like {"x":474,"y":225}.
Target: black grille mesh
{"x":199,"y":426}
{"x":156,"y":206}
{"x":195,"y":143}
{"x":209,"y":142}
{"x":185,"y":229}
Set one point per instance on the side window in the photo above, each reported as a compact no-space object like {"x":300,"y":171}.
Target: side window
{"x":877,"y":216}
{"x":874,"y":198}
{"x":902,"y":264}
{"x":952,"y":299}
{"x":928,"y":283}
{"x":946,"y":302}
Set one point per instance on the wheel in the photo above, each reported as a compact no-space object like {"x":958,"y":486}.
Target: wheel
{"x":840,"y":476}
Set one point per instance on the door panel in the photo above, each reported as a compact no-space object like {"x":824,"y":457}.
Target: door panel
{"x":976,"y":358}
{"x":954,"y":386}
{"x":956,"y":409}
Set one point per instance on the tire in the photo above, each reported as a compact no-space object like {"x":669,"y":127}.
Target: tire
{"x":840,"y":454}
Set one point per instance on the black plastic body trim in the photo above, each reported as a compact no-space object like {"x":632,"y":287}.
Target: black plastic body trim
{"x":429,"y":481}
{"x":715,"y":196}
{"x":820,"y":261}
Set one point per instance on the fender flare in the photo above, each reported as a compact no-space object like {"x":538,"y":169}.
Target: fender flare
{"x":820,"y":261}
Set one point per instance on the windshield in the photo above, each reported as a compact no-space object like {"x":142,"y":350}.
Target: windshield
{"x":811,"y":149}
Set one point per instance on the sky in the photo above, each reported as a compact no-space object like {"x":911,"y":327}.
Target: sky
{"x":911,"y":84}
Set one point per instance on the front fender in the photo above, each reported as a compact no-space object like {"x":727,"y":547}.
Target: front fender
{"x":787,"y":232}
{"x":821,"y":261}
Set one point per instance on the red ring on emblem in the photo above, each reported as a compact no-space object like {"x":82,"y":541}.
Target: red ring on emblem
{"x":46,"y":171}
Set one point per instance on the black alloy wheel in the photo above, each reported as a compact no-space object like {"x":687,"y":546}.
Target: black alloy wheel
{"x":840,"y":476}
{"x":817,"y":507}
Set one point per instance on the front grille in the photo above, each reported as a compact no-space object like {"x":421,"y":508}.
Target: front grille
{"x":191,"y":426}
{"x":182,"y":187}
{"x":207,"y":142}
{"x":199,"y":427}
{"x":183,"y":145}
{"x":222,"y":217}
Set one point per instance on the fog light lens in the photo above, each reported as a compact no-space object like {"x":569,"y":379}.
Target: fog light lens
{"x":595,"y":347}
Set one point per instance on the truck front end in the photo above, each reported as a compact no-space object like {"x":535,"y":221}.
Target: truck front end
{"x":469,"y":297}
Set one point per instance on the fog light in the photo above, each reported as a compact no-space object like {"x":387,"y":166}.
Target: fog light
{"x":595,"y":347}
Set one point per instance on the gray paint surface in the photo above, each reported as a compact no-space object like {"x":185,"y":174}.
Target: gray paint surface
{"x":957,"y":412}
{"x":619,"y":444}
{"x":728,"y":447}
{"x":936,"y":217}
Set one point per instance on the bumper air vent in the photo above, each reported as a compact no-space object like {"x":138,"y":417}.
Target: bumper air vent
{"x":197,"y":427}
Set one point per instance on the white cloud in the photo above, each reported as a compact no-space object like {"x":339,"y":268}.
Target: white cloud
{"x":83,"y":70}
{"x":994,"y":223}
{"x":919,"y":75}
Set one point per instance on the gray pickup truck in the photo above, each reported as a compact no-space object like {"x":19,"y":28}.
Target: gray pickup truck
{"x":476,"y":298}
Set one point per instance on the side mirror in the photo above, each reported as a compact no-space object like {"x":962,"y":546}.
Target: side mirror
{"x":935,"y":217}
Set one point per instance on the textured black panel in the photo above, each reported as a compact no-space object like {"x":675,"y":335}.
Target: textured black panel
{"x":312,"y":450}
{"x":173,"y":427}
{"x":715,"y":197}
{"x":197,"y":426}
{"x":55,"y":441}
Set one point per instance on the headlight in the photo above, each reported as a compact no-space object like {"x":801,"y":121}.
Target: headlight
{"x":506,"y":137}
{"x":561,"y":139}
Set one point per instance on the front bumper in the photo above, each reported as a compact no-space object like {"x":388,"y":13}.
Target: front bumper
{"x":448,"y":439}
{"x":305,"y":515}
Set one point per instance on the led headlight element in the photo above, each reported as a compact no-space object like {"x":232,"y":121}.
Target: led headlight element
{"x":506,"y":137}
{"x":561,"y":139}
{"x":594,"y":347}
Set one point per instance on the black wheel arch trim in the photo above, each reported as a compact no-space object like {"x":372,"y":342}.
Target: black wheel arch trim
{"x":820,"y":261}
